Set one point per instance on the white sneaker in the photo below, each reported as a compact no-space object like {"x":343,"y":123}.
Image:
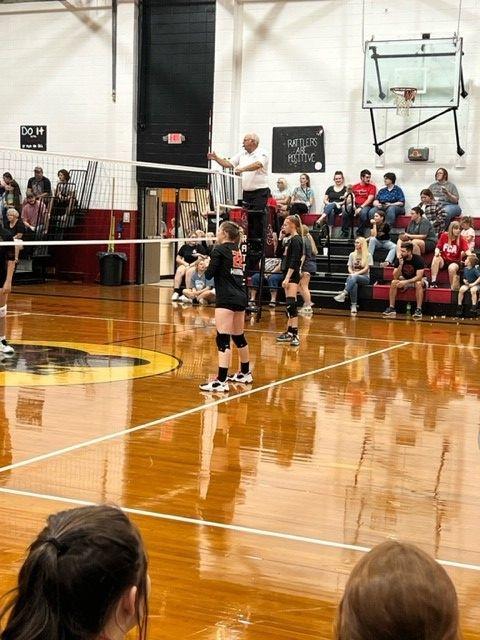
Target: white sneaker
{"x":214,"y":386}
{"x":185,"y":299}
{"x":305,"y":310}
{"x":175,"y":296}
{"x":340,"y":297}
{"x":353,"y":309}
{"x":243,"y":378}
{"x":6,"y":348}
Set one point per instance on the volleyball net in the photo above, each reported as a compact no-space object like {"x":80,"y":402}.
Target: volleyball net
{"x":79,"y":205}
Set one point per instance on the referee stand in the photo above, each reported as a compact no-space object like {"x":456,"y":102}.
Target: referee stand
{"x":255,"y":249}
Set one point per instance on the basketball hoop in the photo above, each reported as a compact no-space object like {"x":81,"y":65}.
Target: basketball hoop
{"x":404,"y":98}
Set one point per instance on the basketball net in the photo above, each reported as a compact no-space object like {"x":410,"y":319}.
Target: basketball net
{"x":404,"y":98}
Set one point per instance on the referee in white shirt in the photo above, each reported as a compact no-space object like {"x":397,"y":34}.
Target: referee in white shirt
{"x":252,"y":165}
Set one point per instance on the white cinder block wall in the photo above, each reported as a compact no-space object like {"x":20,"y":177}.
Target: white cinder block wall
{"x":56,"y":70}
{"x":300,"y":62}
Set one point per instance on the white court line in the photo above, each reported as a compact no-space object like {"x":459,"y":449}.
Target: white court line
{"x":237,"y":528}
{"x":247,"y":329}
{"x":197,"y":409}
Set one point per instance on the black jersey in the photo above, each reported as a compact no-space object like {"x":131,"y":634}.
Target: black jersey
{"x":292,"y":258}
{"x":7,"y":254}
{"x":226,"y":268}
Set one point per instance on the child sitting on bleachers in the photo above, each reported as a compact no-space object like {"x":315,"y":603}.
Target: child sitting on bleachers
{"x":201,"y":290}
{"x":467,"y":231}
{"x":471,"y":282}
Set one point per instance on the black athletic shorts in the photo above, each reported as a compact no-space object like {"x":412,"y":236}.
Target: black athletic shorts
{"x":3,"y":275}
{"x":230,"y":307}
{"x":294,"y":278}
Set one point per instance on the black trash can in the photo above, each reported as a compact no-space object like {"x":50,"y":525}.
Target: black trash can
{"x":111,"y":267}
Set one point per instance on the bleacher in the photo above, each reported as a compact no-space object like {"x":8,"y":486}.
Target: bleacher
{"x":374,"y":297}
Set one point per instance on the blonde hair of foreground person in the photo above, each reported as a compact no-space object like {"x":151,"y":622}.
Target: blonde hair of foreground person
{"x":398,"y":592}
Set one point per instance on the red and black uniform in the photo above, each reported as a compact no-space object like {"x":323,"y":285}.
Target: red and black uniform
{"x":292,"y":257}
{"x":226,"y":268}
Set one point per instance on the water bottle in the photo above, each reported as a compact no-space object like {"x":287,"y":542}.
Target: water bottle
{"x":409,"y":308}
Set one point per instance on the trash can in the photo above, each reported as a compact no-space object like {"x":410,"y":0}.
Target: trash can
{"x":111,"y":267}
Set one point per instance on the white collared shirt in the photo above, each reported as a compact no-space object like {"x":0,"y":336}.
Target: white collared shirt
{"x":252,"y":180}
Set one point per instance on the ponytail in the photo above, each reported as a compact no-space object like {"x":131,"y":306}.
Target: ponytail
{"x":74,"y":575}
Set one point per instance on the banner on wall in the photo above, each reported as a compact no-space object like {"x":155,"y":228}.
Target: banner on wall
{"x":298,"y":150}
{"x":33,"y":136}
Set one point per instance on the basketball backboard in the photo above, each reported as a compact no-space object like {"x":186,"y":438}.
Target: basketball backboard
{"x":432,"y":66}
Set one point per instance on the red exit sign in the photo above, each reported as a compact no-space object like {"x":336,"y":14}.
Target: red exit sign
{"x":175,"y":138}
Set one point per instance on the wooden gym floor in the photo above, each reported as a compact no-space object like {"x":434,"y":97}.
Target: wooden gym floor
{"x":256,"y":505}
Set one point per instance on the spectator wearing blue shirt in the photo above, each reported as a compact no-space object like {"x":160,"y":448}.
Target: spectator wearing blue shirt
{"x":390,"y":199}
{"x":471,"y":282}
{"x":201,"y":289}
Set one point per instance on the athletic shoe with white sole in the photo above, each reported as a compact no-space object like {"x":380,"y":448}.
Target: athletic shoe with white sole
{"x":185,"y":299}
{"x":295,"y":341}
{"x":418,"y":315}
{"x":353,"y":309}
{"x":390,"y":312}
{"x":284,"y":337}
{"x":214,"y":386}
{"x":340,"y":297}
{"x":175,"y":296}
{"x":6,"y":348}
{"x":242,"y":378}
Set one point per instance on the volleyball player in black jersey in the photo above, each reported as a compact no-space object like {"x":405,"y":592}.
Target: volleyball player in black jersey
{"x":291,"y":264}
{"x":7,"y":269}
{"x":226,"y":268}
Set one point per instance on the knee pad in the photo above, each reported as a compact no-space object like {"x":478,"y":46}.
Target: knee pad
{"x":239,"y":341}
{"x":291,"y":307}
{"x":223,"y":341}
{"x":3,"y":311}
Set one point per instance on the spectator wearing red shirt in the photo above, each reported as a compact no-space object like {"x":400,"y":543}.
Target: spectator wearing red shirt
{"x":451,"y":248}
{"x":364,"y":193}
{"x":32,"y":211}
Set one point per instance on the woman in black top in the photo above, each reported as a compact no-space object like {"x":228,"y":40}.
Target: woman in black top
{"x":291,"y":265}
{"x":226,"y":268}
{"x":187,"y":255}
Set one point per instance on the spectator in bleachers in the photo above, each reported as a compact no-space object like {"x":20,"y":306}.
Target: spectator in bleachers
{"x":433,"y":211}
{"x":11,"y":196}
{"x":449,"y":253}
{"x":187,"y":255}
{"x":446,"y":194}
{"x":15,"y":224}
{"x":380,"y":234}
{"x":407,"y":274}
{"x":359,"y":263}
{"x":471,"y":282}
{"x":273,"y":279}
{"x":85,"y":576}
{"x":302,"y":197}
{"x":39,"y":184}
{"x":467,"y":231}
{"x":282,"y":195}
{"x":398,"y":592}
{"x":308,"y":269}
{"x":200,"y":290}
{"x":64,"y":191}
{"x":33,"y":212}
{"x":390,"y":199}
{"x":16,"y":227}
{"x":364,"y":193}
{"x":419,"y":232}
{"x":334,"y":199}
